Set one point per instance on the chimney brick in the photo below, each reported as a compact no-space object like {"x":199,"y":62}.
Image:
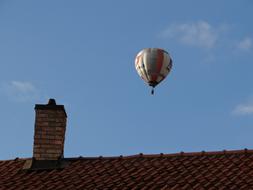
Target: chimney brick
{"x":49,"y":134}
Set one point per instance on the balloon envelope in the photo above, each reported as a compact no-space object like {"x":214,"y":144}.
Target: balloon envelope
{"x":153,"y":65}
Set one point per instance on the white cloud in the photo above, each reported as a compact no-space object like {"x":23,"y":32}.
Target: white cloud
{"x":19,"y":90}
{"x":199,"y":34}
{"x":244,"y":109}
{"x":245,"y":44}
{"x":22,"y":86}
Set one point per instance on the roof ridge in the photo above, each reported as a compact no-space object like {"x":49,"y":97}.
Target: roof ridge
{"x":141,"y":155}
{"x":15,"y":159}
{"x":202,"y":153}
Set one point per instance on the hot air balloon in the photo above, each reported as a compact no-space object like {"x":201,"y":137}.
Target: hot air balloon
{"x":153,"y":65}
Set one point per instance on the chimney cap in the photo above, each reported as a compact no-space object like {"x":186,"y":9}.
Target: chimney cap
{"x":51,"y":105}
{"x":51,"y":101}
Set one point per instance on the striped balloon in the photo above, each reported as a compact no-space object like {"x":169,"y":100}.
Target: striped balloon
{"x":153,"y":65}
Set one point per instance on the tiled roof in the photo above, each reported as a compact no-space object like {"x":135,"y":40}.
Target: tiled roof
{"x":203,"y":170}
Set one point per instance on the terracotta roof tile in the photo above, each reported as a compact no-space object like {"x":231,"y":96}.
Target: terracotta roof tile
{"x":202,"y":170}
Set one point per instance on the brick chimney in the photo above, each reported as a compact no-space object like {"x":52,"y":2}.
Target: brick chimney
{"x":49,"y":133}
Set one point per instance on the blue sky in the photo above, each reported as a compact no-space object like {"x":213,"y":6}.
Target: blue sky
{"x":82,"y":54}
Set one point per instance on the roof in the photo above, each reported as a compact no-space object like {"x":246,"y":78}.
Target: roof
{"x":202,"y":170}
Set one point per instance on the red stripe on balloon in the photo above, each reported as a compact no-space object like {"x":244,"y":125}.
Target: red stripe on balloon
{"x":159,"y":61}
{"x":153,"y":77}
{"x":159,"y":64}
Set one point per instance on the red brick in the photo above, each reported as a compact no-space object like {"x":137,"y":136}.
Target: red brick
{"x":50,"y":127}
